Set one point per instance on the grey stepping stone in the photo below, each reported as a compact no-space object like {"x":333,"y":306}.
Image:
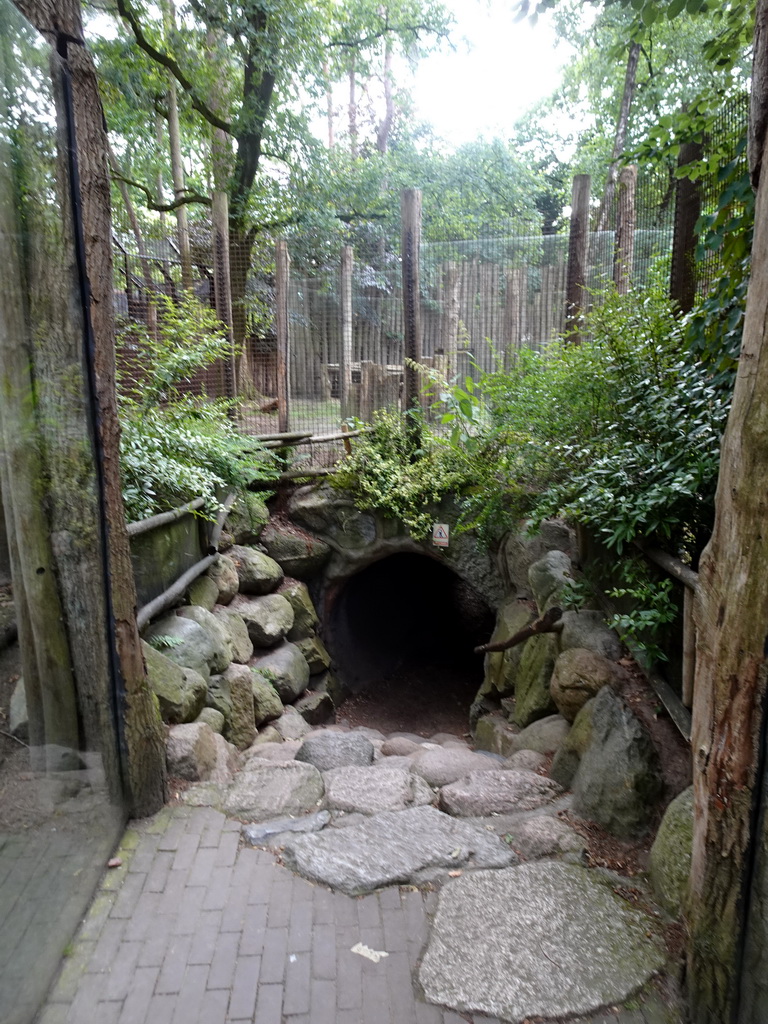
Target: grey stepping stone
{"x":538,"y":940}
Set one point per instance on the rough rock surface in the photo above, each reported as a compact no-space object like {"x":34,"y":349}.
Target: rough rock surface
{"x":550,"y":578}
{"x":247,"y":518}
{"x":218,"y":636}
{"x":370,"y":790}
{"x":520,"y":550}
{"x":267,"y":705}
{"x":543,"y":736}
{"x":326,"y":750}
{"x":526,"y":761}
{"x":268,"y":618}
{"x":291,"y":725}
{"x":439,"y":766}
{"x":395,"y":847}
{"x":501,"y":666}
{"x":543,"y":836}
{"x":258,"y":573}
{"x":533,"y":699}
{"x":315,"y":708}
{"x":579,"y":675}
{"x":671,"y":853}
{"x":512,"y":944}
{"x":223,"y":572}
{"x":300,"y":555}
{"x":264,"y":790}
{"x":180,"y":692}
{"x":258,"y":834}
{"x":400,"y":746}
{"x":571,"y":750}
{"x":204,"y":592}
{"x":618,"y":780}
{"x":286,"y":668}
{"x":305,"y":618}
{"x":227,"y":761}
{"x":285,"y":751}
{"x":191,"y":751}
{"x":241,"y":727}
{"x":213,"y":719}
{"x":497,"y":792}
{"x":495,"y":734}
{"x":588,"y":629}
{"x":313,"y":649}
{"x":190,"y":645}
{"x":237,"y":633}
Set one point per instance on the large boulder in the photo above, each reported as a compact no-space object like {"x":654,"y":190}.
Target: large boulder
{"x":545,"y":940}
{"x":440,"y":765}
{"x":316,"y":708}
{"x":257,"y":572}
{"x":191,"y":751}
{"x":204,"y":592}
{"x":267,"y":705}
{"x":483,"y":793}
{"x":495,"y":734}
{"x":519,"y":550}
{"x":543,"y":736}
{"x":286,"y":668}
{"x":223,"y":573}
{"x":588,"y":629}
{"x":247,"y":518}
{"x":265,"y":790}
{"x":268,"y":619}
{"x":550,"y":579}
{"x":328,"y":511}
{"x":570,"y":752}
{"x":313,"y":649}
{"x":501,"y":666}
{"x":305,"y":618}
{"x":326,"y":750}
{"x":544,"y":836}
{"x":300,"y":555}
{"x":618,"y":781}
{"x":291,"y":725}
{"x":185,"y":642}
{"x":181,"y":692}
{"x":372,"y":789}
{"x":236,"y":633}
{"x":219,"y":637}
{"x":240,"y":727}
{"x":533,"y":699}
{"x":393,"y":848}
{"x":579,"y":675}
{"x":671,"y":854}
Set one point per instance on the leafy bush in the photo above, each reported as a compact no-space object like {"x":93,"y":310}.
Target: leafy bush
{"x":175,"y":447}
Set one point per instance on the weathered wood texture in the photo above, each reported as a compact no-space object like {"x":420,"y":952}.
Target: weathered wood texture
{"x":578,"y":252}
{"x":729,"y":721}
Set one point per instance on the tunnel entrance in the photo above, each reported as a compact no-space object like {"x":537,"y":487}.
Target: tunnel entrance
{"x":402,"y":633}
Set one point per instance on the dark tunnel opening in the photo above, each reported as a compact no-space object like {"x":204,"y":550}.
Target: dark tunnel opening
{"x":402,"y":633}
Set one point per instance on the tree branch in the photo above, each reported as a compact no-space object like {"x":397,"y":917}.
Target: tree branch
{"x":549,"y":622}
{"x":152,"y":203}
{"x":167,"y":61}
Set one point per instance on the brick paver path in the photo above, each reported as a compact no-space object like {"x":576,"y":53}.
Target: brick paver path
{"x":196,"y":928}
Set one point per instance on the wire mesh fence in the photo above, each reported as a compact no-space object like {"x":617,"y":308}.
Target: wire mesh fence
{"x":482,"y":300}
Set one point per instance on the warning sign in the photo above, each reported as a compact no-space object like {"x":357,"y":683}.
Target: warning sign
{"x":440,"y":535}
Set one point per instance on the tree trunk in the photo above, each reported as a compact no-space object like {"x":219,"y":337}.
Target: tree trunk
{"x":620,"y":138}
{"x":107,"y":646}
{"x":385,"y":128}
{"x":177,"y":172}
{"x":352,"y":111}
{"x":729,"y":715}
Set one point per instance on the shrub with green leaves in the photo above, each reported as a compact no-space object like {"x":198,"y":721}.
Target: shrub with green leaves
{"x":176,"y":447}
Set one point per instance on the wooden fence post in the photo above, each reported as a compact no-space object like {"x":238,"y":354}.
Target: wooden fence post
{"x":410,"y":236}
{"x":578,"y":252}
{"x":222,"y":283}
{"x":345,"y":367}
{"x":282,"y":274}
{"x":682,"y":277}
{"x":624,"y":248}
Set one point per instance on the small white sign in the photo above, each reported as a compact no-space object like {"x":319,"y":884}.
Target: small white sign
{"x":440,"y":535}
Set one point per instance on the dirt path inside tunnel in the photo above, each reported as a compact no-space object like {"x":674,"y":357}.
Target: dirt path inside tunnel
{"x":420,"y":697}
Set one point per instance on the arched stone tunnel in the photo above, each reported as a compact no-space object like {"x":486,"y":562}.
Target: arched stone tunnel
{"x":401,"y":632}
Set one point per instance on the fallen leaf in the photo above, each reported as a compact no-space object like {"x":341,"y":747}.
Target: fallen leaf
{"x":374,"y":955}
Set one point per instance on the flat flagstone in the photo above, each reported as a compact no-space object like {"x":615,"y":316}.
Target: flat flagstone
{"x":538,"y":940}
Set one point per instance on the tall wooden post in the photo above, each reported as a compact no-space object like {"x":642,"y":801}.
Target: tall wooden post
{"x":410,"y":238}
{"x":282,"y":275}
{"x":345,"y":365}
{"x":624,"y":248}
{"x":578,"y":252}
{"x":682,"y":276}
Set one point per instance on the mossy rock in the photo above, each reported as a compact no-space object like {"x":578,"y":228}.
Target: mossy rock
{"x":247,"y":518}
{"x":501,"y":667}
{"x":533,"y":699}
{"x":572,"y":749}
{"x":671,"y":854}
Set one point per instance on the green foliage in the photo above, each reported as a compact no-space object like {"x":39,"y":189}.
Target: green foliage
{"x":174,"y":446}
{"x":164,"y":641}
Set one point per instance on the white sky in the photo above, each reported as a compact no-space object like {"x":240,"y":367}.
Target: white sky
{"x":499,"y":70}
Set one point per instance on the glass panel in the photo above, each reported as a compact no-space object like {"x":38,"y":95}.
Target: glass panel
{"x":61,"y":811}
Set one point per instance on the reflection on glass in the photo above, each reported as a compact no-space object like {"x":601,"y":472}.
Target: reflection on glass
{"x":60,"y":808}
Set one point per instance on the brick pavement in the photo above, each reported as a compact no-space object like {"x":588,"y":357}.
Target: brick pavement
{"x":195,"y":928}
